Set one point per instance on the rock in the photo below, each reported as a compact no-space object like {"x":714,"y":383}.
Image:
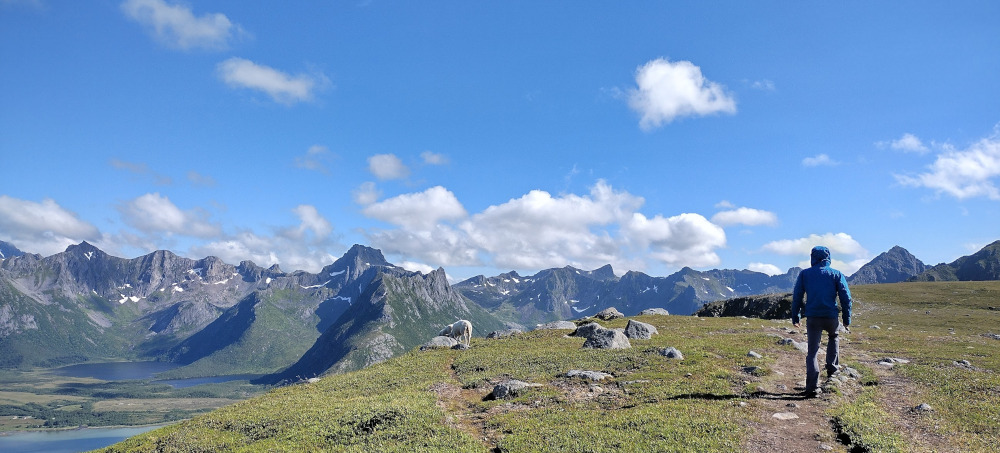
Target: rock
{"x":312,"y":380}
{"x":607,"y":339}
{"x":460,"y":347}
{"x":993,"y":336}
{"x":754,"y":354}
{"x":673,"y":353}
{"x":800,"y":345}
{"x":439,"y":342}
{"x":850,"y":372}
{"x":874,"y":327}
{"x":556,"y":325}
{"x":751,"y":370}
{"x":825,"y":447}
{"x":640,"y":330}
{"x":589,"y":375}
{"x":506,"y":333}
{"x":609,"y":313}
{"x":785,"y":416}
{"x":923,"y":407}
{"x":509,"y":389}
{"x":587,"y":330}
{"x":654,"y":311}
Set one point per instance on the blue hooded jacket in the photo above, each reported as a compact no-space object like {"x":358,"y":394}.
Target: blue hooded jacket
{"x":821,"y":285}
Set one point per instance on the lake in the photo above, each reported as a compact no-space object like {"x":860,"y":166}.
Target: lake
{"x":67,"y":441}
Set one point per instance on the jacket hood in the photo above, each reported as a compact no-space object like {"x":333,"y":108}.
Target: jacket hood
{"x":820,"y":256}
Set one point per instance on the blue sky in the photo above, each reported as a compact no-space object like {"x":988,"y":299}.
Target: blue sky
{"x":484,"y":137}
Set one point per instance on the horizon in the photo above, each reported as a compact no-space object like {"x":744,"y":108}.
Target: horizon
{"x":488,"y":138}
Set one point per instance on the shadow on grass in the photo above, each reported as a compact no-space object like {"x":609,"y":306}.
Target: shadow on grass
{"x":790,"y":396}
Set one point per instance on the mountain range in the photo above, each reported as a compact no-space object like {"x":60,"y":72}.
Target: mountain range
{"x":214,"y":318}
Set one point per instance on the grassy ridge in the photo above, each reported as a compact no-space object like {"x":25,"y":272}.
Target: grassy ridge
{"x":433,"y":400}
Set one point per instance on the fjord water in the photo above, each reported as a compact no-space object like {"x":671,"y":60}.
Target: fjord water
{"x":125,"y":371}
{"x":67,"y":441}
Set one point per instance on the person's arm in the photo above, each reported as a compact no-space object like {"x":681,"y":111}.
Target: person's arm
{"x":844,"y":293}
{"x":797,"y":294}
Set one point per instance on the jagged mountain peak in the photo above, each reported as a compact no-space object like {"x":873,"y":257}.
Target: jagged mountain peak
{"x":605,"y":272}
{"x":85,"y":249}
{"x":895,"y":265}
{"x":8,"y":250}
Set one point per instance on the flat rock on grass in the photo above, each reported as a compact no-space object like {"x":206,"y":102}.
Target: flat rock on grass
{"x":557,"y":325}
{"x":589,"y":375}
{"x":655,"y":311}
{"x":506,"y":333}
{"x":439,"y":342}
{"x":509,"y":389}
{"x":609,"y":313}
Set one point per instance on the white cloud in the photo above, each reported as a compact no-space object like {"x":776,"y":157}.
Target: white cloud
{"x":178,"y":27}
{"x":765,"y":268}
{"x":962,"y":173}
{"x":681,"y":240}
{"x":724,"y":204}
{"x":908,"y":143}
{"x":840,"y":244}
{"x":668,"y":90}
{"x":155,"y":214}
{"x":763,"y":85}
{"x":821,"y":159}
{"x":281,"y":87}
{"x":366,"y":194}
{"x":418,"y":211}
{"x":45,"y":228}
{"x":314,"y":159}
{"x":413,"y":266}
{"x":432,"y":158}
{"x":307,"y":246}
{"x":745,"y":216}
{"x":387,"y":166}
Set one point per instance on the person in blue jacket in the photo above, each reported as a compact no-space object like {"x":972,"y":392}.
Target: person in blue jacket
{"x":821,"y":285}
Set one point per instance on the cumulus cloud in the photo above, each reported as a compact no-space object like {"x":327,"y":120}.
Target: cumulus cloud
{"x":153,"y":213}
{"x":840,"y":245}
{"x":432,"y":158}
{"x":967,"y":173}
{"x":387,"y":166}
{"x":908,"y":143}
{"x":418,"y":211}
{"x":668,"y":90}
{"x":314,"y":159}
{"x":765,"y":268}
{"x":42,"y":227}
{"x":177,"y":26}
{"x":308,"y":246}
{"x":281,"y":87}
{"x":681,"y":240}
{"x":745,"y":216}
{"x":821,"y":159}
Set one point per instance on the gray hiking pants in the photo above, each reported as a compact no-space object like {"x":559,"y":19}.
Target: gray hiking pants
{"x":814,"y":331}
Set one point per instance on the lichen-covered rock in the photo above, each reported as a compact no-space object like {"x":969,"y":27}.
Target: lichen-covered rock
{"x":589,"y":375}
{"x":509,"y":389}
{"x":609,"y":313}
{"x":640,"y":330}
{"x":556,"y":325}
{"x":673,"y":353}
{"x":506,"y":333}
{"x":655,"y":311}
{"x":607,"y":339}
{"x":586,"y":330}
{"x":439,"y":342}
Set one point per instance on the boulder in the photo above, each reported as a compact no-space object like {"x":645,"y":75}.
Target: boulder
{"x":673,"y":353}
{"x":607,"y":339}
{"x":460,"y":347}
{"x":639,"y":330}
{"x":556,"y":325}
{"x":589,"y":375}
{"x":655,"y":311}
{"x":800,"y":345}
{"x":439,"y":342}
{"x":509,"y":389}
{"x":588,"y":329}
{"x":609,"y":313}
{"x":506,"y":333}
{"x":754,"y":354}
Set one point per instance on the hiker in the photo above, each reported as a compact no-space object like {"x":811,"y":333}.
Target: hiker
{"x":821,"y":285}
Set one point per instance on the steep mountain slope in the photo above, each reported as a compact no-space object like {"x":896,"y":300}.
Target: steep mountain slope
{"x":896,"y":265}
{"x":7,"y":250}
{"x":83,"y":304}
{"x":397,"y":311}
{"x":982,"y":265}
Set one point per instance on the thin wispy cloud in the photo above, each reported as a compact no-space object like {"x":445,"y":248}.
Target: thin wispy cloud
{"x":315,"y":159}
{"x":669,"y":90}
{"x":907,"y":143}
{"x":177,"y":26}
{"x":282,"y":87}
{"x":143,"y":170}
{"x":819,"y":160}
{"x":432,"y":158}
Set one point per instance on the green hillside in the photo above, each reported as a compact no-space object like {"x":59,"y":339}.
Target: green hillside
{"x":716,"y":398}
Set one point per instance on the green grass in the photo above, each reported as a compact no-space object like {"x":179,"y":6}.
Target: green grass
{"x":650,"y":404}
